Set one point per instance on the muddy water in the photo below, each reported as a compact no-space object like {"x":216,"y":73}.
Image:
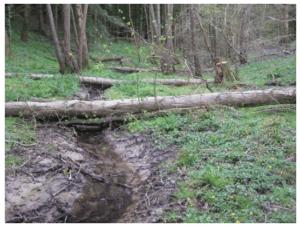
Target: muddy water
{"x":103,"y":202}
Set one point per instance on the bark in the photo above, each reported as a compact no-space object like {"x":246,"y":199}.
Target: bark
{"x":147,"y":24}
{"x":158,"y":20}
{"x":243,"y":56}
{"x":193,"y":42}
{"x":8,"y":50}
{"x":286,"y":27}
{"x":55,"y":40}
{"x":82,"y":56}
{"x":153,"y":25}
{"x":41,"y":21}
{"x":24,"y":34}
{"x":205,"y":39}
{"x":93,"y":109}
{"x":167,"y":59}
{"x":67,"y":45}
{"x":55,"y":15}
{"x":96,"y":26}
{"x":111,"y":82}
{"x":74,"y":25}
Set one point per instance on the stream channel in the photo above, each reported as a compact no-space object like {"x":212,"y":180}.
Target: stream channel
{"x":100,"y":176}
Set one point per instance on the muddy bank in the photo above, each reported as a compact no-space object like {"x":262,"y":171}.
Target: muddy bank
{"x":87,"y":177}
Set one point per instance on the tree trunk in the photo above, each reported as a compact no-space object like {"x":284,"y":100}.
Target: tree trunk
{"x":55,"y":16}
{"x":96,"y":27}
{"x":24,"y":34}
{"x":167,"y":58}
{"x":41,"y":21}
{"x":74,"y":25}
{"x":78,"y":108}
{"x":243,"y":55}
{"x":8,"y":50}
{"x":193,"y":43}
{"x":55,"y":40}
{"x":67,"y":45}
{"x":205,"y":39}
{"x":158,"y":20}
{"x":286,"y":27}
{"x":110,"y":82}
{"x":153,"y":25}
{"x":83,"y":55}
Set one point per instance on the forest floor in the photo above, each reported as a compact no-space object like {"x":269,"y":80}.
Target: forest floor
{"x":209,"y":165}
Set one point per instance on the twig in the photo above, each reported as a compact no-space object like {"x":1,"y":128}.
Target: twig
{"x":25,"y":145}
{"x":281,"y":207}
{"x":25,"y":162}
{"x":61,"y":190}
{"x":29,"y":175}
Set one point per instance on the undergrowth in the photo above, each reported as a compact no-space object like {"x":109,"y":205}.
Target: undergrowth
{"x":238,"y":163}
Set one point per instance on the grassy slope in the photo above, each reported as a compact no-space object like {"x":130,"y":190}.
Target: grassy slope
{"x":236,"y":161}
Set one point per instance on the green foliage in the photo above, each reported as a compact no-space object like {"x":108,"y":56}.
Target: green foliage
{"x":235,"y":163}
{"x":22,"y":88}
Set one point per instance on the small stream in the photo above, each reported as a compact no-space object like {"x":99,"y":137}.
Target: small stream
{"x":101,"y":202}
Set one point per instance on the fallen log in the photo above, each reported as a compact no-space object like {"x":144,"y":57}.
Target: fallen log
{"x":136,"y":70}
{"x":77,"y":108}
{"x":131,"y":70}
{"x":111,"y":82}
{"x":120,"y":60}
{"x":277,"y":109}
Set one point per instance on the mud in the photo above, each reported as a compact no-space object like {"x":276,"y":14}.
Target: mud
{"x":97,"y":176}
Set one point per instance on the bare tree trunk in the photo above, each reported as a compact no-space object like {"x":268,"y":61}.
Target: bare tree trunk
{"x":148,"y":32}
{"x":55,"y":16}
{"x":96,"y":26}
{"x":243,"y":55}
{"x":205,"y":39}
{"x":167,"y":58}
{"x":55,"y":40}
{"x":75,"y":108}
{"x":8,"y":50}
{"x":286,"y":27}
{"x":70,"y":63}
{"x":158,"y":20}
{"x":193,"y":43}
{"x":153,"y":25}
{"x":82,"y":56}
{"x":74,"y":25}
{"x":24,"y":34}
{"x":67,"y":44}
{"x":41,"y":21}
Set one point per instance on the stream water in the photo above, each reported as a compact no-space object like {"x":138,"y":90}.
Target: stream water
{"x":102,"y":202}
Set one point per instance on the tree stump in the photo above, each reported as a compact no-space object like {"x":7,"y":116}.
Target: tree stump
{"x":224,"y":72}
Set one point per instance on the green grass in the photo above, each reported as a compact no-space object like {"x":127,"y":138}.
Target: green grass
{"x":236,"y":163}
{"x":17,"y":132}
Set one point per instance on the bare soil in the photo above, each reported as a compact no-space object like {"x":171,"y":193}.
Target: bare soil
{"x":97,"y":176}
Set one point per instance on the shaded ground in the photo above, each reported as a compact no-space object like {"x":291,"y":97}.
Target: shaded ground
{"x":97,"y":177}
